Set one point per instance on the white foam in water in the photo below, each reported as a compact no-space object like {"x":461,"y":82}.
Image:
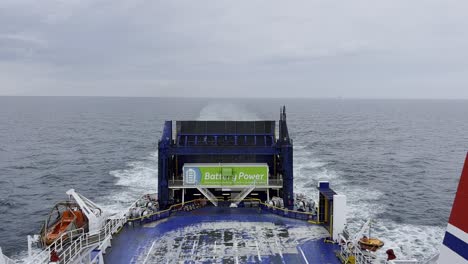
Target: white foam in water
{"x":411,"y":241}
{"x":408,"y":241}
{"x":308,"y":171}
{"x":141,"y":176}
{"x":138,"y":178}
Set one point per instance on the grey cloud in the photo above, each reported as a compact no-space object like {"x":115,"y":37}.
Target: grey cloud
{"x":223,"y":48}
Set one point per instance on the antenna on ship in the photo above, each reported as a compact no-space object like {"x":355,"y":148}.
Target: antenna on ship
{"x":283,"y":127}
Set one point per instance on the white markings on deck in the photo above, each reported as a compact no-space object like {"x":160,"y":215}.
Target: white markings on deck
{"x":258,"y":251}
{"x":214,"y":250}
{"x":236,"y":251}
{"x":195,"y":244}
{"x":278,"y":247}
{"x":179,"y":249}
{"x":235,"y":242}
{"x":150,"y":250}
{"x":303,"y":255}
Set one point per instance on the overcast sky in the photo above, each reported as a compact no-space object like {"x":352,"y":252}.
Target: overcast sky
{"x":364,"y":49}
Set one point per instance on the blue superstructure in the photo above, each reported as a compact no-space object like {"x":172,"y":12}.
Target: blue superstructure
{"x":224,"y":142}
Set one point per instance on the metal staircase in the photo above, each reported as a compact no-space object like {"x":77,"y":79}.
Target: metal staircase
{"x":208,"y":195}
{"x":236,"y":200}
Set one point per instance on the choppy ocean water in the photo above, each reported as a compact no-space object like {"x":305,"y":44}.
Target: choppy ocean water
{"x":398,"y":161}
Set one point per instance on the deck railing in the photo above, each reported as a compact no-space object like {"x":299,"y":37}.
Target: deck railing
{"x":74,"y":242}
{"x":348,"y":250}
{"x":403,"y":262}
{"x":71,"y":243}
{"x":69,"y":239}
{"x":58,"y":245}
{"x":89,"y":239}
{"x":249,"y":202}
{"x":4,"y":259}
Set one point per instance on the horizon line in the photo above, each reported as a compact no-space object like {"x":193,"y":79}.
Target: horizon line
{"x":239,"y":97}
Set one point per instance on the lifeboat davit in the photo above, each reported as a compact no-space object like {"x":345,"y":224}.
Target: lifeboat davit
{"x":67,"y":220}
{"x":371,"y":244}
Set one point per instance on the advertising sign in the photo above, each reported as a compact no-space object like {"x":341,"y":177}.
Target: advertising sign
{"x":225,"y":174}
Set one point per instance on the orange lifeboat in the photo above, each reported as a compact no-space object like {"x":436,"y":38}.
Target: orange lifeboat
{"x":371,"y":244}
{"x":64,"y":219}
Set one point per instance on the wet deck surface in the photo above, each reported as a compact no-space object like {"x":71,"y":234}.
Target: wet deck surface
{"x":222,"y":235}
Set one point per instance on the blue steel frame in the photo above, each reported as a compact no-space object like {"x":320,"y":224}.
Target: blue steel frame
{"x":236,"y":138}
{"x":168,"y":147}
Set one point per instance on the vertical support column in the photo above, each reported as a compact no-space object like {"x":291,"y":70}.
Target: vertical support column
{"x":164,"y":166}
{"x":30,"y":241}
{"x":286,"y":157}
{"x":288,"y":178}
{"x":163,"y":195}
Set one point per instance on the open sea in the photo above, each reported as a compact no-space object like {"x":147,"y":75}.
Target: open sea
{"x":398,"y":161}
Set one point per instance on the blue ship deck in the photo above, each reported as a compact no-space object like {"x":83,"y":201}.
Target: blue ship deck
{"x":223,"y":235}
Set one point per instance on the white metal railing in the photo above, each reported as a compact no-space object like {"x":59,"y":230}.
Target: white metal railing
{"x":89,"y":239}
{"x":344,"y":252}
{"x":364,"y":256}
{"x":348,"y":249}
{"x":403,"y":262}
{"x":57,"y":246}
{"x":4,"y":259}
{"x":69,"y":245}
{"x":275,"y":182}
